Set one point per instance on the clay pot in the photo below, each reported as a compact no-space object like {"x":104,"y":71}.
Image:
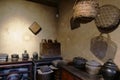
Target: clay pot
{"x":110,"y":70}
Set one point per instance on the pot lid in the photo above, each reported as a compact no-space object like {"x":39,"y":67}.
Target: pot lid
{"x":93,"y":63}
{"x":110,"y":63}
{"x":14,"y":55}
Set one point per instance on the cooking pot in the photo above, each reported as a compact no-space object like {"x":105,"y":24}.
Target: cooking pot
{"x":79,"y":62}
{"x":15,"y":57}
{"x":13,"y":76}
{"x":110,"y":70}
{"x":93,"y":67}
{"x":3,"y":57}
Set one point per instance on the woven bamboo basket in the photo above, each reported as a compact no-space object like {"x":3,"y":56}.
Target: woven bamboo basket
{"x":85,"y":9}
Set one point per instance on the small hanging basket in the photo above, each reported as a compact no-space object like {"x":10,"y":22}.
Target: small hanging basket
{"x":85,"y":9}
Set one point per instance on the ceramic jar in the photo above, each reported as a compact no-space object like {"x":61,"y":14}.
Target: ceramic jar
{"x":35,"y":56}
{"x":110,"y":70}
{"x":25,"y":55}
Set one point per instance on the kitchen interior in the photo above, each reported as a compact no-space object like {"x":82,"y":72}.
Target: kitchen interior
{"x":49,"y":40}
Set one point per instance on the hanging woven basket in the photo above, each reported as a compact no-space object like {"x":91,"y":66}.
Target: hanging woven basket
{"x":86,"y":10}
{"x":108,"y":18}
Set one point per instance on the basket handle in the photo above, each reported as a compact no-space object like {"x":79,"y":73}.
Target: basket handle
{"x":76,"y":1}
{"x":108,"y":36}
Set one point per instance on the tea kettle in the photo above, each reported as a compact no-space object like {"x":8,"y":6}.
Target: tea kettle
{"x":110,"y":71}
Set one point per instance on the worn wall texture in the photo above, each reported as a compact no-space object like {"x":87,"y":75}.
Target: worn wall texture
{"x":77,"y":42}
{"x":15,"y":18}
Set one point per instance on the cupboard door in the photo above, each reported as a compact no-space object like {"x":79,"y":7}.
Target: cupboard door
{"x":77,"y":78}
{"x":67,"y":76}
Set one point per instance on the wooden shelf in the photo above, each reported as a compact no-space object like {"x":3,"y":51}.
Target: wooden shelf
{"x":16,"y":67}
{"x":15,"y":72}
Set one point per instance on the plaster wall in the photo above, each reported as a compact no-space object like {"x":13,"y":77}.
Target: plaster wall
{"x":15,"y":18}
{"x":77,"y":42}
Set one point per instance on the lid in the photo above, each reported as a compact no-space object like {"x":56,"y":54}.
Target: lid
{"x":110,"y":63}
{"x":25,"y":52}
{"x":15,"y":55}
{"x":93,"y":63}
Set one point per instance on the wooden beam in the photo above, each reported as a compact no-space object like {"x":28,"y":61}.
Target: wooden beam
{"x":46,"y":2}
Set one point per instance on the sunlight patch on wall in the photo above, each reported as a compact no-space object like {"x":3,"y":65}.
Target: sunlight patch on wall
{"x":15,"y":34}
{"x":16,"y":30}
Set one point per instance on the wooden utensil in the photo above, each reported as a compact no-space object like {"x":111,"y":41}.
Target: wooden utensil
{"x":103,"y":47}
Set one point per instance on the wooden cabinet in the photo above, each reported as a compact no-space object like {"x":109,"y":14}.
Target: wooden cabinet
{"x":68,"y":76}
{"x":23,"y":69}
{"x":72,"y":73}
{"x":57,"y":74}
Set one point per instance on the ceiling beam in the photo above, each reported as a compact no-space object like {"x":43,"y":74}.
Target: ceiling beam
{"x":46,"y":2}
